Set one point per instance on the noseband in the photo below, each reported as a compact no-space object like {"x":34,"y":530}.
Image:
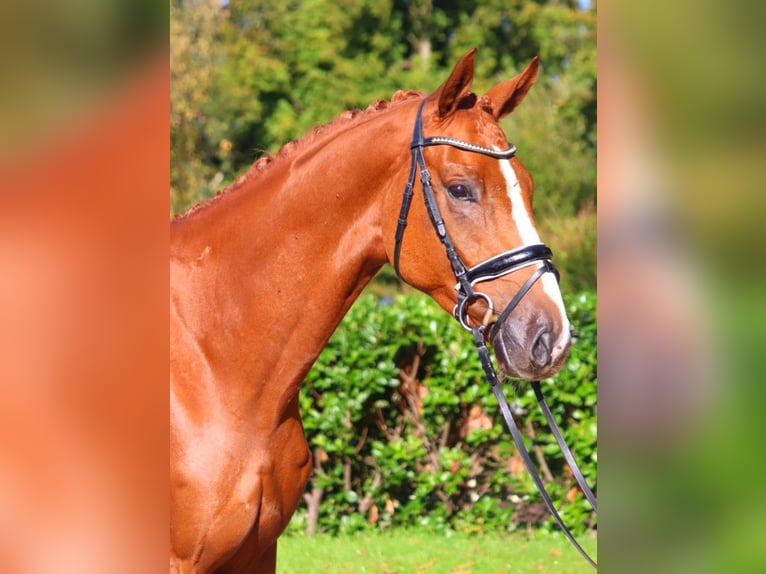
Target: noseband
{"x":494,"y":267}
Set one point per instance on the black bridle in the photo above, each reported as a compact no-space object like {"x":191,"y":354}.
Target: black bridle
{"x":494,"y":267}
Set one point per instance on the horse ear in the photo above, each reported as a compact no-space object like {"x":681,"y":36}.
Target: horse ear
{"x":506,"y":96}
{"x":457,"y":86}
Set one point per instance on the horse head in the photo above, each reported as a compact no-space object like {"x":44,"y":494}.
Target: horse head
{"x":472,"y":244}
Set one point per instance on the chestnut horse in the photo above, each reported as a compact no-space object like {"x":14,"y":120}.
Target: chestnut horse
{"x":262,"y":274}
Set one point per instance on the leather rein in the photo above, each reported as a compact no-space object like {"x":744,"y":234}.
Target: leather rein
{"x":494,"y":267}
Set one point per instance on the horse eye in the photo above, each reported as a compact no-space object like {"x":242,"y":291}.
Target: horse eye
{"x":460,"y":191}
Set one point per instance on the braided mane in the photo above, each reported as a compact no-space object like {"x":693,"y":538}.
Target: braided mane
{"x":262,"y":164}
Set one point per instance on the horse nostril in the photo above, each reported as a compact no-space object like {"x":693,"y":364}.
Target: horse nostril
{"x":541,"y":349}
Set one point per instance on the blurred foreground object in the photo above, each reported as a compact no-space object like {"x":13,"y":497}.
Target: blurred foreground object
{"x":59,"y":59}
{"x":681,"y":288}
{"x":83,"y":237}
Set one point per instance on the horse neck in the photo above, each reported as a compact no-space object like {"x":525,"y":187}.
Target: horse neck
{"x":276,"y":263}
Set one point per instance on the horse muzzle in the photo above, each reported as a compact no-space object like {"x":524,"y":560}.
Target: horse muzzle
{"x":533,"y":349}
{"x":532,"y":342}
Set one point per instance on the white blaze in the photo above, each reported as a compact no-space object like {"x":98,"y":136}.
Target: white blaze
{"x":523,"y":220}
{"x":519,"y":211}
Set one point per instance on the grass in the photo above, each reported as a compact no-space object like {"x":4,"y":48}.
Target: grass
{"x":418,"y":552}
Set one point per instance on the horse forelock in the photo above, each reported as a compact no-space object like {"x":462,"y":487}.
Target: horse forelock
{"x":263,"y":163}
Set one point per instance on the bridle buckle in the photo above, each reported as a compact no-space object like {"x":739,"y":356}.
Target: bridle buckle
{"x":461,"y":310}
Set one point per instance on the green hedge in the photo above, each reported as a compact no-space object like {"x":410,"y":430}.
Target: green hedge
{"x":406,"y":432}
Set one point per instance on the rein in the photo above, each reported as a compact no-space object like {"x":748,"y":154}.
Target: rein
{"x":494,"y":267}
